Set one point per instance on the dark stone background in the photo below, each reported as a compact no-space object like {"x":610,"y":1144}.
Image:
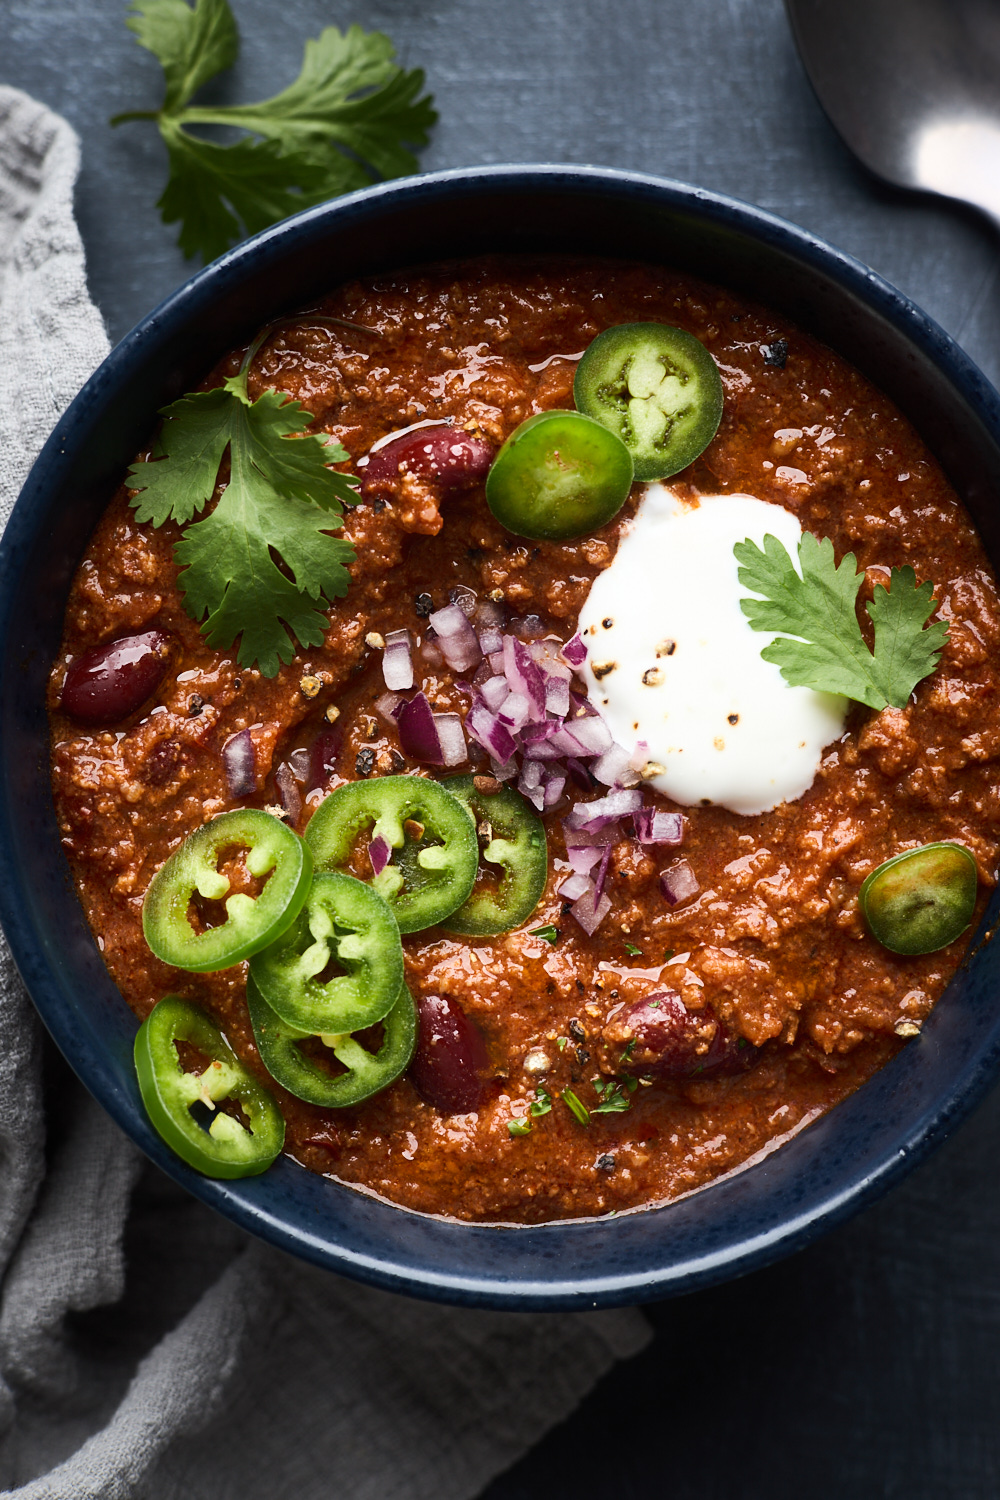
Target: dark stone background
{"x":866,"y":1366}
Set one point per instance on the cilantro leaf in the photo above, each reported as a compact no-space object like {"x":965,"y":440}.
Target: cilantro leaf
{"x":219,"y":193}
{"x":816,"y":607}
{"x":322,"y":106}
{"x":350,"y":117}
{"x":549,"y":933}
{"x":904,"y":651}
{"x":614,"y":1095}
{"x":281,"y":498}
{"x":191,"y":45}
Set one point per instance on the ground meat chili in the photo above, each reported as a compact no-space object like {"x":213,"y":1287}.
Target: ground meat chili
{"x":768,"y":966}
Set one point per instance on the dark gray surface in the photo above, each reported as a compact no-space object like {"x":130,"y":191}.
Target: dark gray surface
{"x":865,"y":1367}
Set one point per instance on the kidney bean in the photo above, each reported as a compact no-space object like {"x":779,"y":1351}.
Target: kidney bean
{"x":669,"y":1041}
{"x":454,"y":458}
{"x":451,"y":1057}
{"x":110,"y":682}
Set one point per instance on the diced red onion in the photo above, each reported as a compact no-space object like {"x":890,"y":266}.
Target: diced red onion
{"x":379,"y":851}
{"x":488,"y":621}
{"x":301,"y":764}
{"x":533,"y":734}
{"x":397,"y":661}
{"x":288,"y":791}
{"x":505,"y":772}
{"x":582,"y":706}
{"x":553,"y":786}
{"x":457,"y":640}
{"x":575,"y":651}
{"x":451,"y":739}
{"x":592,"y":816}
{"x":653,"y":826}
{"x":529,"y":784}
{"x":565,"y":742}
{"x":524,"y":675}
{"x":584,"y":850}
{"x":486,"y":729}
{"x":583,"y":859}
{"x":418,"y":733}
{"x":514,"y":712}
{"x":678,"y":881}
{"x":387,"y":707}
{"x":590,"y":911}
{"x":579,"y":774}
{"x":494,"y":692}
{"x":557,"y":696}
{"x":430,"y":652}
{"x":574,"y":886}
{"x":640,"y":756}
{"x":602,"y":874}
{"x":531,"y":776}
{"x":496,"y":660}
{"x":613,"y":768}
{"x":598,"y":838}
{"x":239,"y":762}
{"x":547,"y":654}
{"x":592,"y":735}
{"x":542,"y":750}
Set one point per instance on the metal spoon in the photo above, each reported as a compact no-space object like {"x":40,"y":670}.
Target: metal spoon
{"x":913,"y":86}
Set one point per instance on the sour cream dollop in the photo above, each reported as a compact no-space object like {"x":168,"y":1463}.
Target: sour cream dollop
{"x":672,"y":660}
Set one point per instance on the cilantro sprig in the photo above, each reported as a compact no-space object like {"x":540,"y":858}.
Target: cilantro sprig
{"x":350,"y":117}
{"x":820,"y":644}
{"x":281,"y":499}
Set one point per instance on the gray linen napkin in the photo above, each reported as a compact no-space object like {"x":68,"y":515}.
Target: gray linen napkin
{"x":147,"y":1347}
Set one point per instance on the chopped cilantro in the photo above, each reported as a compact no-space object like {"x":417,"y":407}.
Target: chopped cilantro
{"x":614,"y":1095}
{"x":818,"y":607}
{"x":550,"y":934}
{"x":281,"y":498}
{"x":540,"y":1105}
{"x":562,"y":1042}
{"x":348,"y":119}
{"x":632,"y":949}
{"x":628,"y":1049}
{"x":576,"y":1106}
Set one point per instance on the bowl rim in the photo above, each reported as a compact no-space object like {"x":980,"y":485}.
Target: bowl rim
{"x":528,"y":1277}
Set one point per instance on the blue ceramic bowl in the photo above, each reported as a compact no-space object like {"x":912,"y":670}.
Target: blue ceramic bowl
{"x":830,"y":1170}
